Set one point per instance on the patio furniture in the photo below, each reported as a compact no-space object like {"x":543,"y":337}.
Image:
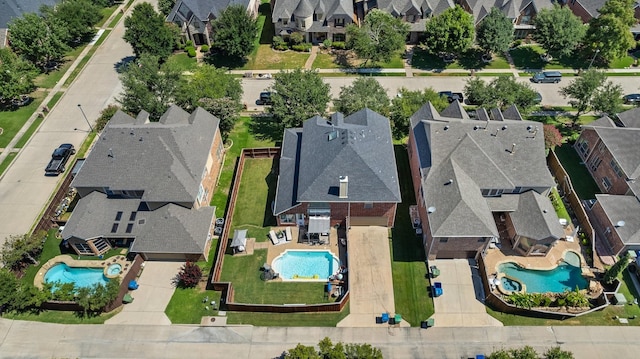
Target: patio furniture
{"x":437,"y":289}
{"x":273,"y":237}
{"x":288,"y":234}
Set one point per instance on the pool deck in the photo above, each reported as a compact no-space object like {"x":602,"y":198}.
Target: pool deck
{"x":275,"y":250}
{"x":38,"y":281}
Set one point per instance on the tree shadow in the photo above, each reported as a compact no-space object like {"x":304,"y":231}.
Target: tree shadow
{"x":219,"y":60}
{"x":472,"y":59}
{"x":265,"y":128}
{"x":272,"y":182}
{"x":266,"y":36}
{"x":424,"y":60}
{"x":121,"y":65}
{"x":526,"y":57}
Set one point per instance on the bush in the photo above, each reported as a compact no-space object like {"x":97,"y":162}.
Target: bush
{"x":612,"y":273}
{"x":191,"y":52}
{"x":204,"y":48}
{"x":304,"y":47}
{"x":105,"y":116}
{"x":296,"y":38}
{"x":189,"y":43}
{"x":327,"y":43}
{"x":516,"y":43}
{"x":339,"y":45}
{"x":189,"y":275}
{"x":279,"y":43}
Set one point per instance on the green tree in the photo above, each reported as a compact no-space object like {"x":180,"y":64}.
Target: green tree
{"x":37,"y":39}
{"x":495,"y":32}
{"x":610,"y":37}
{"x":234,"y":32}
{"x":581,"y":90}
{"x":8,"y":288}
{"x":165,"y":6}
{"x":557,"y":353}
{"x":105,"y":116}
{"x":363,"y":92}
{"x":406,"y":103}
{"x":225,"y":109}
{"x":147,"y":32}
{"x":501,"y":92}
{"x":362,"y":351}
{"x":302,"y":352}
{"x":329,"y":351}
{"x":149,"y":86}
{"x":16,"y":75}
{"x":20,"y":248}
{"x":499,"y":354}
{"x":379,"y":38}
{"x":297,"y":96}
{"x":614,"y":271}
{"x":525,"y":352}
{"x":558,"y":30}
{"x":607,"y":99}
{"x":450,"y":32}
{"x":622,"y":10}
{"x":78,"y":16}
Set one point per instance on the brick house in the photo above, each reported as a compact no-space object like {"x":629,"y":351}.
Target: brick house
{"x":481,"y":182}
{"x":147,"y":186}
{"x":589,"y":9}
{"x":520,"y":12}
{"x":340,"y":171}
{"x":194,"y":17}
{"x":609,"y":149}
{"x":318,"y":20}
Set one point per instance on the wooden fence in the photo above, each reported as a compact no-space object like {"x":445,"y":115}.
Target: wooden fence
{"x":566,"y":188}
{"x":47,"y":221}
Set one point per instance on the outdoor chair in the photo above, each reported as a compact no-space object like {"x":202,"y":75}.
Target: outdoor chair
{"x":273,"y":237}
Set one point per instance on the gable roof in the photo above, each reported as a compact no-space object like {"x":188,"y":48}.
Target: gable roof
{"x":461,"y":157}
{"x":622,"y":143}
{"x":630,"y":118}
{"x":204,"y":9}
{"x":313,"y":159}
{"x":626,"y":209}
{"x":172,"y":154}
{"x":511,"y":8}
{"x":11,"y":9}
{"x":283,"y":9}
{"x":535,"y":217}
{"x":414,"y":7}
{"x":591,"y":6}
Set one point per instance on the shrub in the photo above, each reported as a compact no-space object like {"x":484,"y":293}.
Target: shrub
{"x":615,"y":270}
{"x":327,"y":43}
{"x":339,"y":45}
{"x":279,"y":43}
{"x":105,"y":116}
{"x":516,"y":43}
{"x":189,"y":43}
{"x":189,"y":275}
{"x":296,"y":38}
{"x":204,"y":48}
{"x":304,"y":47}
{"x":191,"y":52}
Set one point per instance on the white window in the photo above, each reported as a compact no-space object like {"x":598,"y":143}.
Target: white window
{"x":606,"y":183}
{"x":616,"y":168}
{"x":287,"y":218}
{"x":583,"y":146}
{"x":202,"y":193}
{"x":368,"y":205}
{"x":595,"y":163}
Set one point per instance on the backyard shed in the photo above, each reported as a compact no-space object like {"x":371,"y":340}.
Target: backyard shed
{"x":239,"y":242}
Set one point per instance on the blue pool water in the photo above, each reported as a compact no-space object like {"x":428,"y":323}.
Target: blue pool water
{"x":565,"y":276}
{"x":82,"y":277}
{"x":510,"y":284}
{"x":306,"y":265}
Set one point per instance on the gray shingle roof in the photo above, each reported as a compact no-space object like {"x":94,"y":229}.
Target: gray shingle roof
{"x":358,"y":146}
{"x":11,"y":9}
{"x":461,"y":157}
{"x":414,"y":7}
{"x":622,"y":208}
{"x":591,"y":6}
{"x":630,"y":118}
{"x":202,"y":9}
{"x":603,"y":121}
{"x":535,"y":217}
{"x":165,"y":159}
{"x":622,"y":143}
{"x":511,"y":8}
{"x":283,"y":9}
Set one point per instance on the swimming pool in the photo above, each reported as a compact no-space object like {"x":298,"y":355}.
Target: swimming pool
{"x":82,"y":277}
{"x":307,"y":265}
{"x":566,"y":276}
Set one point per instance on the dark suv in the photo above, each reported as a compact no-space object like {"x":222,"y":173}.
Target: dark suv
{"x":265,"y":99}
{"x":59,"y":159}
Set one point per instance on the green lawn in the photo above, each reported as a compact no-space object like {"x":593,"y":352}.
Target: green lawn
{"x":408,"y":258}
{"x":115,"y":20}
{"x":528,"y":57}
{"x":49,"y":80}
{"x":265,"y":58}
{"x":189,"y":305}
{"x":325,"y":61}
{"x":468,"y":60}
{"x":11,"y":121}
{"x":288,"y":319}
{"x":558,"y":205}
{"x":82,"y":151}
{"x":105,"y":12}
{"x":59,"y":317}
{"x":50,"y":249}
{"x":581,"y":179}
{"x":182,"y":61}
{"x":7,"y":161}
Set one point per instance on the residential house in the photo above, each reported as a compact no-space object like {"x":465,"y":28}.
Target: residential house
{"x":147,"y":186}
{"x":12,"y":9}
{"x":609,"y":149}
{"x":520,"y":12}
{"x":589,"y":9}
{"x":194,"y":16}
{"x":481,"y":182}
{"x":318,"y":20}
{"x":415,"y":13}
{"x":338,"y":171}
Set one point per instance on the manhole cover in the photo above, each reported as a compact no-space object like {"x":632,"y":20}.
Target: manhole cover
{"x":213,"y":320}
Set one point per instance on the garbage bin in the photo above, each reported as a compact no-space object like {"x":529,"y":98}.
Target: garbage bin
{"x":398,"y":318}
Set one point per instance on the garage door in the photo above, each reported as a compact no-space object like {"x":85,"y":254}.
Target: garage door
{"x":455,"y":254}
{"x":164,"y":256}
{"x":369,"y":221}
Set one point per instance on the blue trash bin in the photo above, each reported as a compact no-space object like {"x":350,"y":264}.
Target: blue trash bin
{"x":385,"y":317}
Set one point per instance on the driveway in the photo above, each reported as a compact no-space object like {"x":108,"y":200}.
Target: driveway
{"x":152,"y":297}
{"x":370,"y":281}
{"x":459,"y":305}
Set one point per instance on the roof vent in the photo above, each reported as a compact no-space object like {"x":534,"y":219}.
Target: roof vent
{"x":544,"y":211}
{"x":504,"y":128}
{"x":620,"y":224}
{"x":140,"y":139}
{"x":110,"y":154}
{"x":446,"y":127}
{"x":475,"y":128}
{"x":529,"y":128}
{"x":131,"y":132}
{"x":450,"y":181}
{"x":513,"y":148}
{"x":431,"y":209}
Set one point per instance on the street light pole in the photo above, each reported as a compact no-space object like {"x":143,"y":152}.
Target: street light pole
{"x":85,"y":118}
{"x":594,"y":57}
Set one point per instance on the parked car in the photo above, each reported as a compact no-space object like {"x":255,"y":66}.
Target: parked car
{"x":265,"y":76}
{"x":20,"y":101}
{"x":547,"y":77}
{"x":632,"y":99}
{"x":265,"y":99}
{"x":59,"y":159}
{"x":452,"y":96}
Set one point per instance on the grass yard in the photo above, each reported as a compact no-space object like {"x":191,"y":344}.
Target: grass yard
{"x":7,"y":161}
{"x":82,"y":151}
{"x":182,"y":61}
{"x":288,"y":319}
{"x":50,"y":249}
{"x":528,"y":57}
{"x":49,"y":80}
{"x":105,"y":12}
{"x":581,"y":179}
{"x":408,"y":258}
{"x":558,"y":205}
{"x":189,"y":305}
{"x":59,"y":317}
{"x":244,"y":272}
{"x":11,"y":121}
{"x":265,"y":58}
{"x":115,"y":20}
{"x":469,"y":60}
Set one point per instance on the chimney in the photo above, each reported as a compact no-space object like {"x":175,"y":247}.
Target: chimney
{"x":344,"y":186}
